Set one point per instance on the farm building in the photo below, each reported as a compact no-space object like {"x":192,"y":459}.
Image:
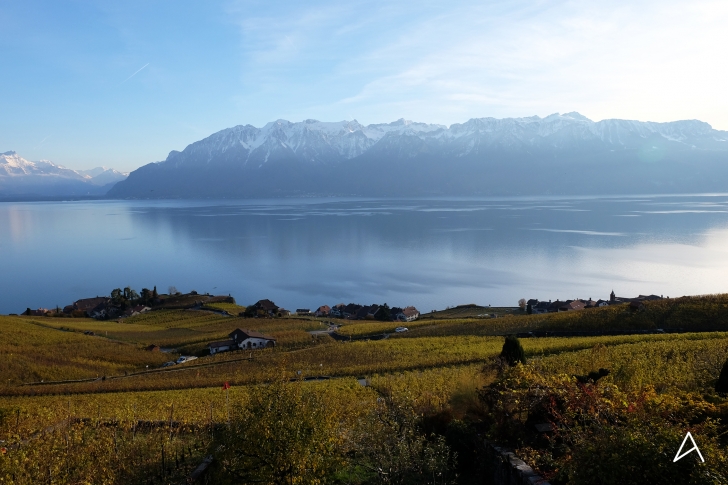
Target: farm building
{"x":222,"y":346}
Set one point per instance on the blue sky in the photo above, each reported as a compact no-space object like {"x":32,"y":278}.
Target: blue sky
{"x":89,"y":83}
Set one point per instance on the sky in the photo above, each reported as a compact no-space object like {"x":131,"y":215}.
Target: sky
{"x":121,"y":84}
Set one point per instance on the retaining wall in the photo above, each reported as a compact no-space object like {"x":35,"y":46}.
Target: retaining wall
{"x":507,"y":469}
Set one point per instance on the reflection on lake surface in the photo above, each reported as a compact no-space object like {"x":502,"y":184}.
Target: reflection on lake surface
{"x":309,"y":252}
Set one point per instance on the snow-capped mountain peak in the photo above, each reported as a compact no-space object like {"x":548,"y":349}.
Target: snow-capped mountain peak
{"x":43,"y":177}
{"x":319,"y":142}
{"x":557,"y":153}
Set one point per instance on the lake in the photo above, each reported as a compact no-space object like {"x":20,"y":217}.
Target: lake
{"x":431,"y":253}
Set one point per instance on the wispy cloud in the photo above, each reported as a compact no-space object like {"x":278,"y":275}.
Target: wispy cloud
{"x":438,"y":63}
{"x":135,"y":73}
{"x":41,"y":142}
{"x":575,"y":231}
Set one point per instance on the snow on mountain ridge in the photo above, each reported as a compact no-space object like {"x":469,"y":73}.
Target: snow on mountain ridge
{"x":95,"y":172}
{"x":314,"y":141}
{"x":13,"y":165}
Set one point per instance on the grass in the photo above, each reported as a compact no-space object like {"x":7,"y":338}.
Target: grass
{"x":34,"y":351}
{"x":688,"y":364}
{"x":314,"y":356}
{"x":231,"y":308}
{"x":357,"y":328}
{"x":471,"y":311}
{"x":438,"y":364}
{"x":449,"y":367}
{"x":187,"y":331}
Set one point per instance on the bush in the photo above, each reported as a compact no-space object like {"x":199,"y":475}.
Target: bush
{"x":602,"y":435}
{"x":722,"y":384}
{"x":640,"y":453}
{"x":284,"y":434}
{"x":513,"y":351}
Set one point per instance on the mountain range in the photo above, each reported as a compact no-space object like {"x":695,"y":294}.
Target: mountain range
{"x":22,"y":178}
{"x":559,"y":154}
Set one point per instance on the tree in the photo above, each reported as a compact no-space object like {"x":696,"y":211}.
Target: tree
{"x":117,"y":296}
{"x":529,"y":309}
{"x":512,"y":351}
{"x":172,"y":290}
{"x":383,"y":313}
{"x":392,"y":446}
{"x":522,"y":303}
{"x":722,"y":384}
{"x":284,"y":434}
{"x":250,"y":311}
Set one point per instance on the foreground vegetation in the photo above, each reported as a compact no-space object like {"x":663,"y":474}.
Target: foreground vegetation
{"x":431,"y":396}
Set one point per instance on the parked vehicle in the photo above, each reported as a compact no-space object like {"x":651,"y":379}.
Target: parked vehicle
{"x":168,"y":364}
{"x":185,"y":358}
{"x":401,"y":329}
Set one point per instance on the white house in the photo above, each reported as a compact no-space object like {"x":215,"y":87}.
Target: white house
{"x":136,"y":310}
{"x":336,"y":310}
{"x":408,"y":314}
{"x":249,"y":339}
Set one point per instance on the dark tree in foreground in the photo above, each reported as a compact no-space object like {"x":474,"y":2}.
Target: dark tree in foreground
{"x":513,"y":351}
{"x":722,"y":384}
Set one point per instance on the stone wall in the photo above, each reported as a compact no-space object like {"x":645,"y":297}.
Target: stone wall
{"x":505,"y":468}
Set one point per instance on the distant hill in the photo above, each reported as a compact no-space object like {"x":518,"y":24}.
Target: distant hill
{"x":558,"y":154}
{"x":22,"y":178}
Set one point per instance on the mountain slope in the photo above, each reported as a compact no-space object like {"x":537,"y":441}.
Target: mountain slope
{"x":567,"y":154}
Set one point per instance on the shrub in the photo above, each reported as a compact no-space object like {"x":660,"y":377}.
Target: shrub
{"x":513,"y":351}
{"x":722,"y":384}
{"x":284,"y":434}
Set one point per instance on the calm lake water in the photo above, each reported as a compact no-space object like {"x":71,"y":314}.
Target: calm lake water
{"x":429,"y":253}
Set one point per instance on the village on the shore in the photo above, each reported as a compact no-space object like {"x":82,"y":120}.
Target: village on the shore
{"x":533,"y":306}
{"x":126,"y":303}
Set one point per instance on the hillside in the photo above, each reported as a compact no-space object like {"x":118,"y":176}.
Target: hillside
{"x":85,"y":406}
{"x":558,"y":154}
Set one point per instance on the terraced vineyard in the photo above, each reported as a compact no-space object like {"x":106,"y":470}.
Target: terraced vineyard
{"x":130,"y":420}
